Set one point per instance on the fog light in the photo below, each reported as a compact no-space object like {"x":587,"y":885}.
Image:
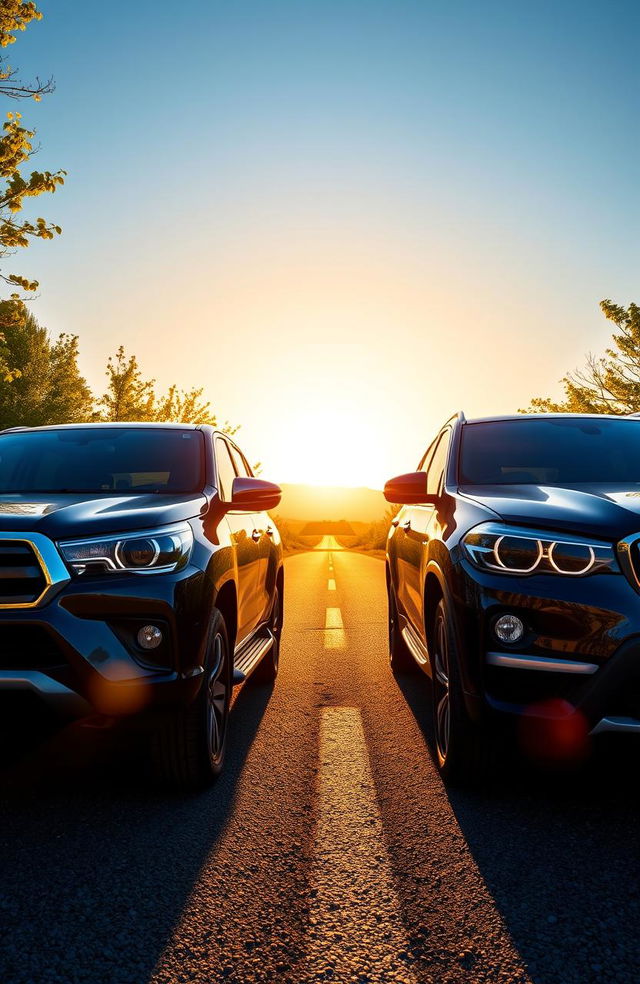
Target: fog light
{"x":149,"y":637}
{"x":509,"y":628}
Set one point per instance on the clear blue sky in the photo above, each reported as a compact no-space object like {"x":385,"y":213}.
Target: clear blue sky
{"x":419,"y":203}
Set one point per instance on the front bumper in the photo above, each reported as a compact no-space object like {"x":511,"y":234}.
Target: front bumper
{"x":78,"y":651}
{"x":581,"y":645}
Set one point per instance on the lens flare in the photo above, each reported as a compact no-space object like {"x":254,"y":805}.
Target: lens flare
{"x":120,"y":695}
{"x":555,"y":732}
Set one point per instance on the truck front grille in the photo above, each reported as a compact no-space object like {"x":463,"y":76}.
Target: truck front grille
{"x":22,"y":579}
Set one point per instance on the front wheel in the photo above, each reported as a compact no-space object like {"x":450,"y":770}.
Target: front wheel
{"x":464,"y":752}
{"x":189,"y":747}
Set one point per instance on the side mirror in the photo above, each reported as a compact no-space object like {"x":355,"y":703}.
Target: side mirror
{"x":409,"y":490}
{"x":254,"y":495}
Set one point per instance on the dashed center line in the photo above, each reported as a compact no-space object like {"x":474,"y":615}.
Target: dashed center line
{"x":331,"y":586}
{"x":355,"y":927}
{"x":334,"y":634}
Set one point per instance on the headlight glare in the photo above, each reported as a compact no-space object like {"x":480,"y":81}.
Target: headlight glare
{"x":509,"y":550}
{"x":157,"y":551}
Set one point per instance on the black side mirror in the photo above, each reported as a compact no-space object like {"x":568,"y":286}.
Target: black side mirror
{"x":409,"y":490}
{"x":254,"y":495}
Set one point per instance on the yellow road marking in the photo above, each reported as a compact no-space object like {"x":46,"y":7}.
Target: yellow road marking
{"x":334,"y":634}
{"x":333,"y":619}
{"x":351,"y":873}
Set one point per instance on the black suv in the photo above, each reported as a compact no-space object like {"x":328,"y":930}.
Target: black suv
{"x":140,"y":576}
{"x":513,"y":572}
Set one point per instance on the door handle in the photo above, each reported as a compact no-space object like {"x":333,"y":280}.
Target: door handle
{"x":406,"y":526}
{"x":256,"y":535}
{"x":269,"y":531}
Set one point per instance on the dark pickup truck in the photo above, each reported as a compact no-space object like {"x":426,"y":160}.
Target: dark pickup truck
{"x":140,"y":577}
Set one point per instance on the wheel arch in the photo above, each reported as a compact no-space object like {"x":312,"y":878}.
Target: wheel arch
{"x":227,"y":604}
{"x":280,"y":588}
{"x":437,"y":588}
{"x":434,"y":591}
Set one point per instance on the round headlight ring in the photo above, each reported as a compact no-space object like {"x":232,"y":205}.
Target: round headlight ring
{"x":556,"y":567}
{"x":125,"y":545}
{"x":516,"y":570}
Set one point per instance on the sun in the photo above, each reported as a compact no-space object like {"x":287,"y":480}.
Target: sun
{"x":329,"y":439}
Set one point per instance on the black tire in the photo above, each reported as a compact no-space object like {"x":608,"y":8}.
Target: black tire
{"x":464,"y":753}
{"x":399,"y":653}
{"x":267,"y":669}
{"x":189,"y":747}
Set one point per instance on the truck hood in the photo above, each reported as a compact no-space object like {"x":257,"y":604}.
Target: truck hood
{"x":608,"y":512}
{"x":69,"y":515}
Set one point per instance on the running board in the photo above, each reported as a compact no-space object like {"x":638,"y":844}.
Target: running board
{"x":249,"y":655}
{"x":416,"y":647}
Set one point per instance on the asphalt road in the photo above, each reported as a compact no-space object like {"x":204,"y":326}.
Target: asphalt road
{"x":329,"y":851}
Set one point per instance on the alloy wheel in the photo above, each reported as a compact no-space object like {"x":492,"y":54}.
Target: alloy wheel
{"x":217,"y":700}
{"x":276,"y":629}
{"x":441,"y":692}
{"x":392,"y":620}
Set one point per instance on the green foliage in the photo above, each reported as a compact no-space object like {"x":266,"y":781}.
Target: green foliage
{"x":187,"y":406}
{"x":131,"y":397}
{"x":128,"y":395}
{"x":14,"y":16}
{"x":16,"y":147}
{"x":41,"y":383}
{"x":44,"y":385}
{"x":609,"y":383}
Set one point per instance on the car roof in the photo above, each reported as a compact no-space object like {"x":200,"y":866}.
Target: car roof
{"x":550,"y":416}
{"x":151,"y":425}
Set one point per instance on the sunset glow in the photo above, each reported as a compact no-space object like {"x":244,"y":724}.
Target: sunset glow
{"x":338,"y":213}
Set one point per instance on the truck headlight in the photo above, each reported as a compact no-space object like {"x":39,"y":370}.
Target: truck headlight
{"x":153,"y":552}
{"x":512,"y":550}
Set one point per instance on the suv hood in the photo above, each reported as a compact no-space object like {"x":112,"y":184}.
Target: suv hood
{"x":69,"y":515}
{"x":608,"y":512}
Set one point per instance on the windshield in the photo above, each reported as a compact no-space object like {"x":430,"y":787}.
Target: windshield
{"x":557,"y":451}
{"x":109,"y":459}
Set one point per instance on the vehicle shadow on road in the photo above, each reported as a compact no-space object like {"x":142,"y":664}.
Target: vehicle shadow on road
{"x":97,"y":861}
{"x":559,"y":854}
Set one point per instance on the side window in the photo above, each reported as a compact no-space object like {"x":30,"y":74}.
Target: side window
{"x":435,"y":472}
{"x":427,"y":456}
{"x":225,"y":470}
{"x":238,"y":460}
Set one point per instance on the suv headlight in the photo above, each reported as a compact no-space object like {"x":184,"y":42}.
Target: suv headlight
{"x":511,"y":550}
{"x":153,"y":552}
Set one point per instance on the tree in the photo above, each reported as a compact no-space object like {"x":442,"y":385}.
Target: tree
{"x":128,"y":395}
{"x":46,"y":386}
{"x":609,"y":383}
{"x":185,"y":406}
{"x":15,"y":15}
{"x":16,"y":148}
{"x":131,"y":397}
